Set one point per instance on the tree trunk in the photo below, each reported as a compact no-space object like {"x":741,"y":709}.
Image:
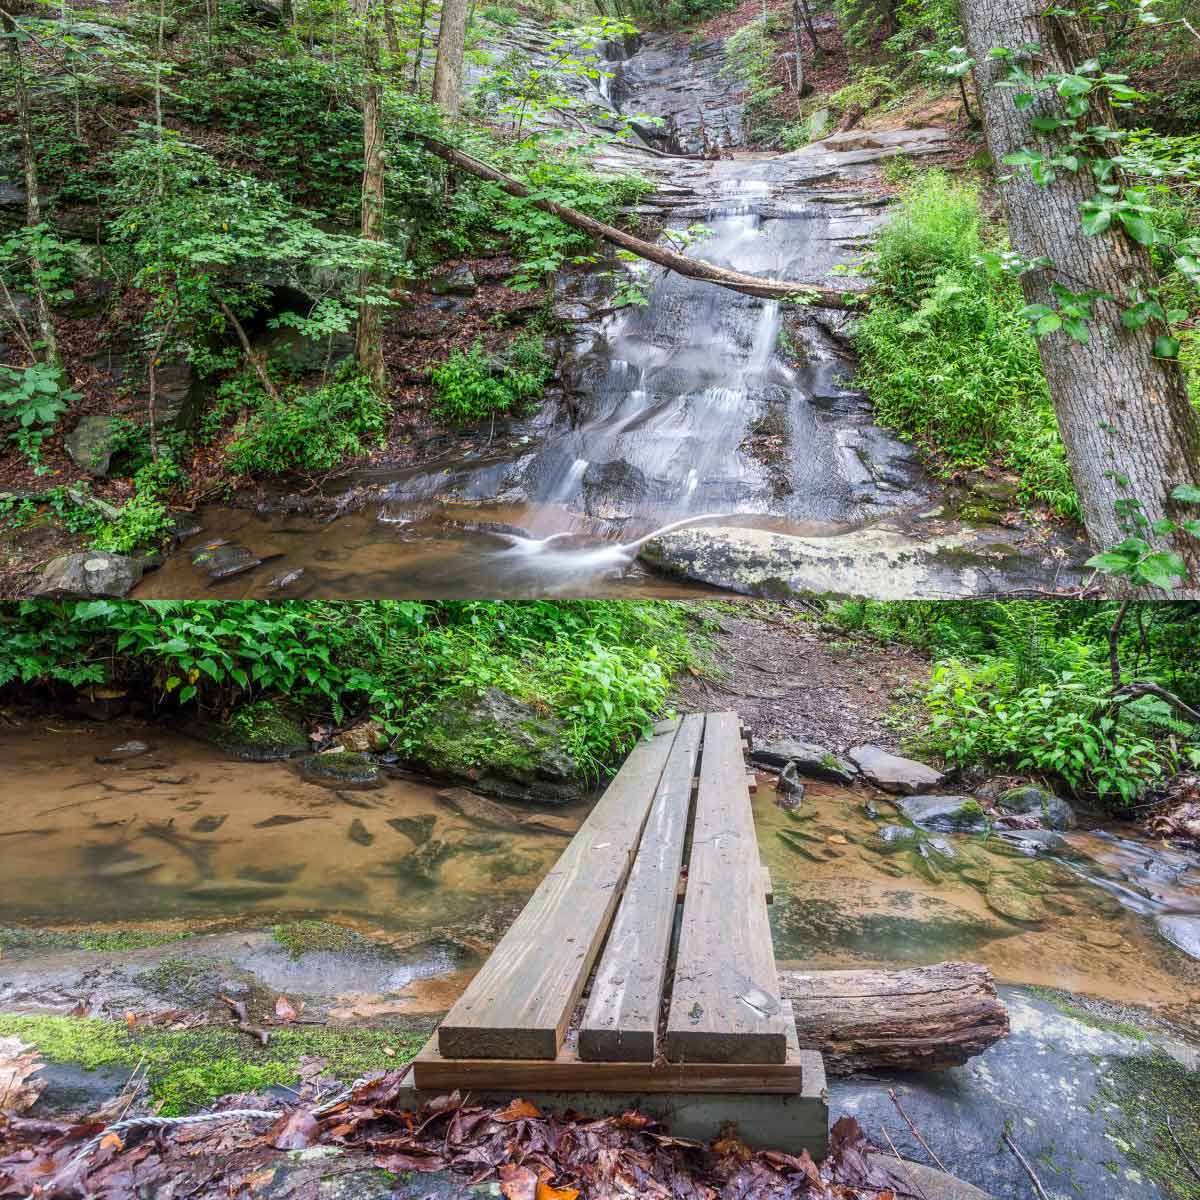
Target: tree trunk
{"x":923,"y":1018}
{"x":287,"y":14}
{"x":422,"y":14}
{"x":1124,"y":416}
{"x":451,"y":45}
{"x":692,"y":268}
{"x":368,"y":344}
{"x":33,"y":202}
{"x":798,"y":42}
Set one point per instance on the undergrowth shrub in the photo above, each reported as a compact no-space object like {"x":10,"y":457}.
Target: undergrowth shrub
{"x":309,"y":430}
{"x":470,"y":386}
{"x":946,"y":356}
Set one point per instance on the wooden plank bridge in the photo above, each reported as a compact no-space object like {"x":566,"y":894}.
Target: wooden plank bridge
{"x":641,"y":971}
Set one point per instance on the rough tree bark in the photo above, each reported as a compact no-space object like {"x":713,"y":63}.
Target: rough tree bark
{"x":451,"y":44}
{"x":1123,"y":414}
{"x":368,"y":343}
{"x":692,"y":268}
{"x":33,"y":202}
{"x":923,"y":1018}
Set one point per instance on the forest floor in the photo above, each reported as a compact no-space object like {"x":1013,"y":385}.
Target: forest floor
{"x":788,"y":674}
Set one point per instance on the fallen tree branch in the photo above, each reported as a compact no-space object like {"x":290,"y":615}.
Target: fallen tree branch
{"x":915,"y":1131}
{"x":690,"y":268}
{"x":1134,"y":691}
{"x":1006,"y":1137}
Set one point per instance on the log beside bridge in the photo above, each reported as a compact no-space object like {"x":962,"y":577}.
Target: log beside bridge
{"x":916,"y":1019}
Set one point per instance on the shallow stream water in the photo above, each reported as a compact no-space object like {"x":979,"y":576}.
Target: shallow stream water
{"x":184,"y":837}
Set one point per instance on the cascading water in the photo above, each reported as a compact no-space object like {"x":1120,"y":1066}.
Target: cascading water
{"x":700,"y":402}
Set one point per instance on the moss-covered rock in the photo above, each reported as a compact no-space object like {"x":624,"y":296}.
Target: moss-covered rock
{"x":344,"y":770}
{"x":1054,"y":811}
{"x":262,"y":730}
{"x":502,"y":746}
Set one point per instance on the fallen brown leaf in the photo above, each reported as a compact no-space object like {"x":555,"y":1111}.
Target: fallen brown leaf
{"x":517,"y":1182}
{"x":518,"y":1110}
{"x":284,"y":1009}
{"x":546,"y":1192}
{"x":18,"y":1061}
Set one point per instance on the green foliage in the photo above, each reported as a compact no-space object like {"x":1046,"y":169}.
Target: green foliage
{"x":469,"y":387}
{"x":946,"y":355}
{"x":748,"y":56}
{"x":308,"y":430}
{"x":32,"y":399}
{"x":1026,"y":685}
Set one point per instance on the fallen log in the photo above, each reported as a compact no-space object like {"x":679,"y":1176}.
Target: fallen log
{"x":691,"y":268}
{"x":922,"y":1018}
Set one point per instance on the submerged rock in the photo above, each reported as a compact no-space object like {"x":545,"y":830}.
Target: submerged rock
{"x":223,"y":561}
{"x":809,"y":759}
{"x":947,"y":814}
{"x":901,"y":776}
{"x":1053,"y":811}
{"x":90,"y":574}
{"x":500,"y":745}
{"x":1004,"y":896}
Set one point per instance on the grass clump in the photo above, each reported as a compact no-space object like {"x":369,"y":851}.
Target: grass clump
{"x":17,"y":938}
{"x":947,"y":358}
{"x":299,"y":938}
{"x":191,"y":1068}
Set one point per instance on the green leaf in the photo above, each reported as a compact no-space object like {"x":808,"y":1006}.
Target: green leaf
{"x":1161,"y":570}
{"x":1139,"y":228}
{"x":1166,"y":346}
{"x":1185,"y":493}
{"x":1048,"y":324}
{"x":187,"y":693}
{"x":1111,"y":563}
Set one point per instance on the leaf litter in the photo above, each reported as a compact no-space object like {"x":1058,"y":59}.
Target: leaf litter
{"x":528,"y":1154}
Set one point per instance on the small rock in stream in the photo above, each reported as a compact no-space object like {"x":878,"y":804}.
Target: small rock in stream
{"x":122,"y":752}
{"x":360,"y":833}
{"x":891,"y":773}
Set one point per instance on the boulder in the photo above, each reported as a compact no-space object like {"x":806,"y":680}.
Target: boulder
{"x":1053,"y":811}
{"x":89,"y":574}
{"x":340,"y":770}
{"x":364,"y":737}
{"x":814,"y":761}
{"x":891,"y":773}
{"x":1182,"y":932}
{"x":501,"y":746}
{"x":946,"y":814}
{"x":458,"y":281}
{"x":91,"y":444}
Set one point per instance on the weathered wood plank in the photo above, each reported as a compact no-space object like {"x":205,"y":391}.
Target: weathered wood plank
{"x":570,"y":1073}
{"x":519,"y":1004}
{"x":621,"y":1021}
{"x":725,"y":1004}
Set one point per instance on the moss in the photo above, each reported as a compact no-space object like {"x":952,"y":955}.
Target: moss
{"x":299,"y":938}
{"x":1068,"y":1005}
{"x":265,"y":725}
{"x":1156,"y":1119}
{"x":190,"y":1068}
{"x":180,"y":979}
{"x":80,"y":939}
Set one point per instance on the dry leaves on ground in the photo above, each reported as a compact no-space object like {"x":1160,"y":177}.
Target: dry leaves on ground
{"x":19,"y":1091}
{"x":530,"y":1154}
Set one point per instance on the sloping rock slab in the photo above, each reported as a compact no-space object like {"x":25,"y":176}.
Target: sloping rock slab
{"x":811,"y":760}
{"x":1182,"y":932}
{"x":891,"y":773}
{"x":872,"y":563}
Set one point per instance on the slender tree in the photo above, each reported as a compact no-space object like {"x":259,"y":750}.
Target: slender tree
{"x":33,"y":202}
{"x":369,"y":337}
{"x":1131,"y":435}
{"x":451,"y":46}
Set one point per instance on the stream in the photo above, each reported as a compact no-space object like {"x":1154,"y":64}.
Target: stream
{"x":703,"y":406}
{"x":182,"y":841}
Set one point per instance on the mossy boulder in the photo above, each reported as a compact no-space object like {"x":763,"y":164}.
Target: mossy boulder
{"x":262,"y":730}
{"x":502,"y":746}
{"x":945,"y":814}
{"x":341,"y":770}
{"x":1054,"y":811}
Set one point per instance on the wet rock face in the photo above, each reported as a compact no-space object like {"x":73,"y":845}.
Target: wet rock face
{"x":1182,"y":932}
{"x":1053,"y":811}
{"x":91,"y":574}
{"x":891,"y":773}
{"x":814,"y":761}
{"x":502,"y":746}
{"x":946,"y":814}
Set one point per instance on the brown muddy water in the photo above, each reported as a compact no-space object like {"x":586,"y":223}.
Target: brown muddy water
{"x":186,"y":838}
